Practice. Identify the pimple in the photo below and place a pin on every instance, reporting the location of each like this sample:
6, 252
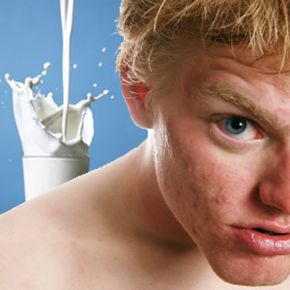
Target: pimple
221, 199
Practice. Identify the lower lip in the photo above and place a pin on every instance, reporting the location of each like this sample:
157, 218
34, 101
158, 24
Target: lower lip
264, 244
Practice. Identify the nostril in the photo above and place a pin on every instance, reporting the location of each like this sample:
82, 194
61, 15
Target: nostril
275, 195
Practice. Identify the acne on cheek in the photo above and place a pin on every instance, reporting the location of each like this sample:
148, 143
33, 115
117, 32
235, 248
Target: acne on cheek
220, 183
207, 168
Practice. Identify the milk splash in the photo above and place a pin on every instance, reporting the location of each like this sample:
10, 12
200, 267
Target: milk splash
39, 120
46, 129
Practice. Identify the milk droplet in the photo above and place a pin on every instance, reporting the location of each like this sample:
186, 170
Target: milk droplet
36, 81
8, 77
104, 49
100, 64
112, 97
46, 65
45, 68
75, 66
95, 85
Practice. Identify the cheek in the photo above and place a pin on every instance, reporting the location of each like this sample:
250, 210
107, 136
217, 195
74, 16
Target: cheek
198, 180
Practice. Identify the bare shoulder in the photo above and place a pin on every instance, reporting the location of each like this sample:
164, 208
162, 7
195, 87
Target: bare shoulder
57, 241
37, 247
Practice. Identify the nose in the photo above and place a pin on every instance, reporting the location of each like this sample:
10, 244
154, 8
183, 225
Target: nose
274, 189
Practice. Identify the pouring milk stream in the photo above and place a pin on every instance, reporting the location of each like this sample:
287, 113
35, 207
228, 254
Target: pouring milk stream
66, 11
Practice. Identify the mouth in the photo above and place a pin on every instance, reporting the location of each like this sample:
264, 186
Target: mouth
264, 241
266, 232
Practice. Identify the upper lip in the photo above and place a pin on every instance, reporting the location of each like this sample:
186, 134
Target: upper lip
267, 226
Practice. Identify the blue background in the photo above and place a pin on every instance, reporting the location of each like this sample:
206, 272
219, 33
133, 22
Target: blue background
30, 32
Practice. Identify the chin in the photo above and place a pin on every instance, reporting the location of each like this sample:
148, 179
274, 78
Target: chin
261, 271
242, 280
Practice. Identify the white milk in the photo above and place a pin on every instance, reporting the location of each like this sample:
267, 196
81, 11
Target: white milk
39, 121
46, 129
66, 12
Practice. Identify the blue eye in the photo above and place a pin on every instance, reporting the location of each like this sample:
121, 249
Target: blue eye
236, 125
239, 128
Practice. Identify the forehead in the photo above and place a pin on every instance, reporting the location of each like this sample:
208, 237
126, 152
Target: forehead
267, 63
226, 64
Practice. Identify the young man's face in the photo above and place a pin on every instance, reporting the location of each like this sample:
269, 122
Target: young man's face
222, 155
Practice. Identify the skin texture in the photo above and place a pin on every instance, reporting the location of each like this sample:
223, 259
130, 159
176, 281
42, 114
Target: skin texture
162, 216
212, 180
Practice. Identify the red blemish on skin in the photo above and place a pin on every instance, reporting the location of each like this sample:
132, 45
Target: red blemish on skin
221, 199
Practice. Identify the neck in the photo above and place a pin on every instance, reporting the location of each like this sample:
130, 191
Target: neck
147, 205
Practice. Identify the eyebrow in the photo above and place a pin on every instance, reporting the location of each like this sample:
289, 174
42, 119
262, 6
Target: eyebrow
241, 101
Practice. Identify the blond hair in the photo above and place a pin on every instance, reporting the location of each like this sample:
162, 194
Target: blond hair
152, 29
